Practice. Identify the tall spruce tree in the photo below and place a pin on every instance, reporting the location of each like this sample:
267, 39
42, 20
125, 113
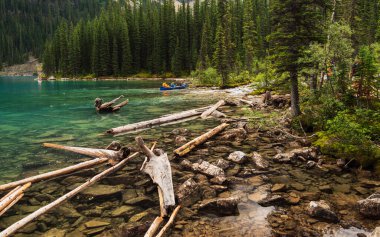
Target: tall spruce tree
296, 23
222, 54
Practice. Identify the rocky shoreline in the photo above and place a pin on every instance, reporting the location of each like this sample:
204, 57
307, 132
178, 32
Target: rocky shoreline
249, 180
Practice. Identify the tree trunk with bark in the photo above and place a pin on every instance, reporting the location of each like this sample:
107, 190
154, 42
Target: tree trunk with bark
295, 104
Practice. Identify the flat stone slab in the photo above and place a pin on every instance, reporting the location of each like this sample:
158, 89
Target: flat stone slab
100, 190
95, 224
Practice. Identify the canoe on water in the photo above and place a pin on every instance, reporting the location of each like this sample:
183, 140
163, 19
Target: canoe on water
173, 88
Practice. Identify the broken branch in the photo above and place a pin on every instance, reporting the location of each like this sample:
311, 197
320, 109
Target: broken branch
183, 150
212, 109
170, 222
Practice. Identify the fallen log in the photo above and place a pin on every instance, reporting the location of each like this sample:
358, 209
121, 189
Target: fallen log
154, 227
159, 169
21, 223
183, 150
9, 199
212, 109
110, 154
11, 204
8, 194
156, 122
56, 173
170, 222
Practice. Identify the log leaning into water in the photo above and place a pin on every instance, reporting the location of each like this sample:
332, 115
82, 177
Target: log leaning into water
156, 122
11, 198
183, 150
212, 109
110, 154
56, 173
21, 223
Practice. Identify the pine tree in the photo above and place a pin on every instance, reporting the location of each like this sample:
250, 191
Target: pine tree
249, 35
126, 59
296, 23
223, 52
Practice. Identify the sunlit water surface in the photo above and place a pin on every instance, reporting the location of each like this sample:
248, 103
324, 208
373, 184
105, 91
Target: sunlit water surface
63, 112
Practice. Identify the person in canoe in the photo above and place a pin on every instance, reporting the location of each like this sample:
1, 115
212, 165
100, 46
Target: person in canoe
165, 85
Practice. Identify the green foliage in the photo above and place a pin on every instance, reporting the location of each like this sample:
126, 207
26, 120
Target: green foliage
347, 138
317, 111
25, 25
208, 77
238, 79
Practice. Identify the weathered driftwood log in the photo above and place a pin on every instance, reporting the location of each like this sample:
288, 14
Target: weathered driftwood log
21, 223
110, 154
183, 150
11, 204
156, 122
159, 169
212, 109
154, 227
170, 222
14, 194
8, 194
100, 106
56, 173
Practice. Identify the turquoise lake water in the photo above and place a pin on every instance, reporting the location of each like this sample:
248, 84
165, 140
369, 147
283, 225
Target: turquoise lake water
63, 112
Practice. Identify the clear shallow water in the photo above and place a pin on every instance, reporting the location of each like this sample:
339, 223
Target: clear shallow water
62, 112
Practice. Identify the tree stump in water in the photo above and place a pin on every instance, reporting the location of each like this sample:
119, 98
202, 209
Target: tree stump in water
109, 106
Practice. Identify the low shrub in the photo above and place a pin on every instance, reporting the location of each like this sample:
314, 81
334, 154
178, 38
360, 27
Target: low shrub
208, 77
346, 138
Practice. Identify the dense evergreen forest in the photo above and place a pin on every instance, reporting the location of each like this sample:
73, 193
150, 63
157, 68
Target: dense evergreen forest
326, 53
26, 24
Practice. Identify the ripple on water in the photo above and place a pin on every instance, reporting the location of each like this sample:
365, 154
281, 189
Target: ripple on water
252, 218
341, 232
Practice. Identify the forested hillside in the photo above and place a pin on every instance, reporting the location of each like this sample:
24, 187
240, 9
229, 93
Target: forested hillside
25, 24
325, 53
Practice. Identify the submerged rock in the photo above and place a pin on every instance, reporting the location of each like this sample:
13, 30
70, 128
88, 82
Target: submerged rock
100, 191
322, 210
370, 207
221, 206
278, 188
259, 161
180, 140
234, 134
305, 153
259, 194
123, 211
95, 224
188, 192
221, 163
206, 168
237, 157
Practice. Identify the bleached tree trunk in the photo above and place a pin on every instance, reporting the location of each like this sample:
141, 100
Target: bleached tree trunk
156, 122
183, 150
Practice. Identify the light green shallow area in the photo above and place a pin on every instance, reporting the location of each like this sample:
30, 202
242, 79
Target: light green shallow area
62, 112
